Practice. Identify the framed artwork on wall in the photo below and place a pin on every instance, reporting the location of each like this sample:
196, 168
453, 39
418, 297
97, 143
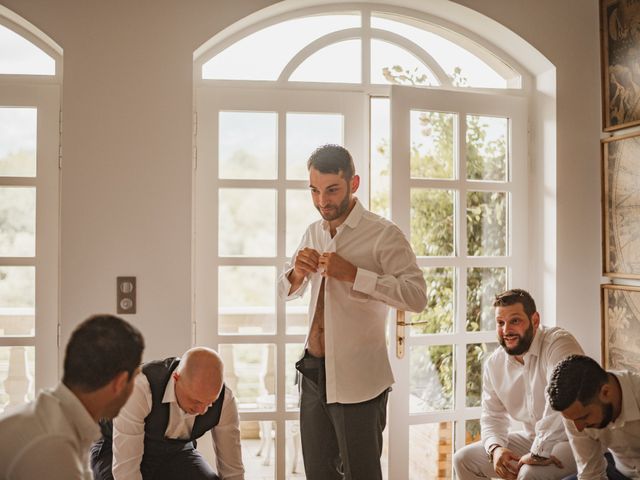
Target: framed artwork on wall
621, 206
620, 57
620, 327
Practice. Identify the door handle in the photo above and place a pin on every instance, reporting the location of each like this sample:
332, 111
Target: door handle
401, 337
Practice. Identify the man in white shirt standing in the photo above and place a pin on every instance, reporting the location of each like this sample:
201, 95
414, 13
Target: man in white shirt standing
358, 264
602, 413
50, 437
175, 401
514, 382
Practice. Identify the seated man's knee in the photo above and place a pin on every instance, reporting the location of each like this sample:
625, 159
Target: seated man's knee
532, 472
465, 455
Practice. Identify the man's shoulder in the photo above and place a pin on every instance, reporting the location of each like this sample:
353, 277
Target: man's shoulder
379, 223
36, 423
551, 335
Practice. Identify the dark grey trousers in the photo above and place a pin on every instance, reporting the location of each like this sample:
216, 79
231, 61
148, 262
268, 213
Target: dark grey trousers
186, 464
339, 441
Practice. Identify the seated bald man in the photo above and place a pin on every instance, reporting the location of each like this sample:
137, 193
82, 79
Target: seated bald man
175, 401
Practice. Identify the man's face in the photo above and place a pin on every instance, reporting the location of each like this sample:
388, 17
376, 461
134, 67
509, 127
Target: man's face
331, 194
597, 414
515, 330
195, 398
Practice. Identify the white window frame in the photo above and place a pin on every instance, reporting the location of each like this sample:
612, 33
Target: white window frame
43, 93
517, 269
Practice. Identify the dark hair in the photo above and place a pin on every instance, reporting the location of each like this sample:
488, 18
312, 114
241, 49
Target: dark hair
577, 377
516, 295
332, 159
99, 349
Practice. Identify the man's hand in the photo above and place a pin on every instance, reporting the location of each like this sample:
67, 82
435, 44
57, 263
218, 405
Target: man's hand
505, 463
306, 262
333, 265
530, 459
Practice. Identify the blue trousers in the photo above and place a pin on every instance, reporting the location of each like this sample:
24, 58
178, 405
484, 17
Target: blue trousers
612, 471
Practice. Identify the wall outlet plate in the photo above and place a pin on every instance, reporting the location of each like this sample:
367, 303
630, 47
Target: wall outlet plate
126, 295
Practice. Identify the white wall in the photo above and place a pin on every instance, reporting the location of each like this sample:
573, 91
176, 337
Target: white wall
127, 139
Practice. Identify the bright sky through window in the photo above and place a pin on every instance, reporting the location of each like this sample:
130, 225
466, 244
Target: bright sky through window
21, 57
263, 55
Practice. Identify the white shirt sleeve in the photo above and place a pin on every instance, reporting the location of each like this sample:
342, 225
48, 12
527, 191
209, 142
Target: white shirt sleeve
226, 440
128, 432
402, 284
588, 453
550, 428
284, 285
494, 419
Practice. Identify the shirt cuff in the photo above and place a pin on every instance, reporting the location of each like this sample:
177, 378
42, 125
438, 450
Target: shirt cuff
492, 441
540, 449
286, 284
365, 281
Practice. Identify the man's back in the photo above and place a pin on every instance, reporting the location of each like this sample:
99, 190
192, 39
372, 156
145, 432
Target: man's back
47, 438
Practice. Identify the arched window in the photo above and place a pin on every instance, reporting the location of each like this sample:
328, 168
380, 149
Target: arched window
436, 121
30, 78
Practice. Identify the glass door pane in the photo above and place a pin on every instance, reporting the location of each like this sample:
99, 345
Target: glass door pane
453, 191
252, 208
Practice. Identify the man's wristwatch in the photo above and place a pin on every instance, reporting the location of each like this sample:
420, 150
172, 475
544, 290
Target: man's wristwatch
538, 458
491, 451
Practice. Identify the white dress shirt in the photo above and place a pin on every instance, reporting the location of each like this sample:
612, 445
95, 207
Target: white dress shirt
48, 439
128, 432
356, 358
621, 437
512, 389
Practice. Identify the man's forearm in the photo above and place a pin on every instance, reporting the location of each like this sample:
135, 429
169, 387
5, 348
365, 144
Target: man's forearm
295, 280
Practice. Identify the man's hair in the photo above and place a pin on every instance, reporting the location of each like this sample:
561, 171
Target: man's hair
332, 159
516, 295
577, 377
99, 349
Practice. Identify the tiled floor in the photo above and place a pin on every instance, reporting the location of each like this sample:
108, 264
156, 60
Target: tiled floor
254, 465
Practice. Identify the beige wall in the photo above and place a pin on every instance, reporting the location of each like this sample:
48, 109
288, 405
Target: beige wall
127, 139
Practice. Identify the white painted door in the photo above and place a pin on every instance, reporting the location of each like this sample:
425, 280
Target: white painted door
29, 146
252, 206
459, 192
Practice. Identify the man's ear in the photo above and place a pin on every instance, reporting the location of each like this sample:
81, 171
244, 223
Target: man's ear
355, 183
535, 319
120, 381
605, 393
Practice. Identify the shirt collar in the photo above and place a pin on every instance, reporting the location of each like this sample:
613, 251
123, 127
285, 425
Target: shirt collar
170, 391
630, 411
352, 220
536, 344
81, 421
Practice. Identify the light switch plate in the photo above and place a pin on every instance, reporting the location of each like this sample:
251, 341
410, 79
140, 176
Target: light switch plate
126, 295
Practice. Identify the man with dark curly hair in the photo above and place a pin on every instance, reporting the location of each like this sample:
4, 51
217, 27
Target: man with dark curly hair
602, 412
